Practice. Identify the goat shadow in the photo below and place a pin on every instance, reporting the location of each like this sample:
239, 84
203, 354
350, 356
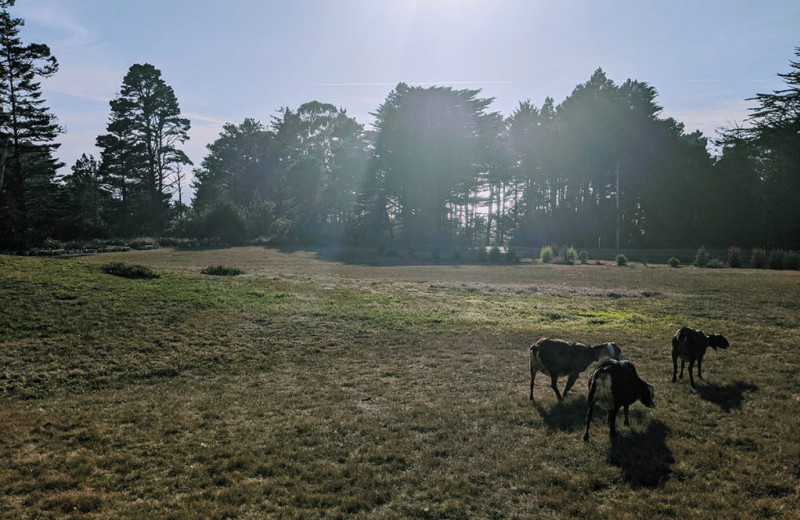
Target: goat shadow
643, 457
727, 397
567, 416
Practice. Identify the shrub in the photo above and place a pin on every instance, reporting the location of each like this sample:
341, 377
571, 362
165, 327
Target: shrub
222, 270
512, 257
546, 254
775, 259
584, 257
734, 257
482, 256
702, 257
494, 255
129, 270
143, 243
791, 261
715, 263
570, 256
621, 260
673, 262
456, 255
758, 258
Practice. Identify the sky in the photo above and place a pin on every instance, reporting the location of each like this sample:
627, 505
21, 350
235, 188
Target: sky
233, 59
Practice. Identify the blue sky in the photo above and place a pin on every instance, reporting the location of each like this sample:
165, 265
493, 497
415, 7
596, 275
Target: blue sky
227, 60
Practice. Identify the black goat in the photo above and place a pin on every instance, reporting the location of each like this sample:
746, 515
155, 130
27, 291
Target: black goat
690, 345
558, 357
616, 384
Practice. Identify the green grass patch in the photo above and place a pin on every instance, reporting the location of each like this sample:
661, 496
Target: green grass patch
314, 389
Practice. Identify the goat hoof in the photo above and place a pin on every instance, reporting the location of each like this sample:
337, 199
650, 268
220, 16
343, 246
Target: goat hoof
586, 438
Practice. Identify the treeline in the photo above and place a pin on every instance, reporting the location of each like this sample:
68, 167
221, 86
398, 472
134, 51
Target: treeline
437, 168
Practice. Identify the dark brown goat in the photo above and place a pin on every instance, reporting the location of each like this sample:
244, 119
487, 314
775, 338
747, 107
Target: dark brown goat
690, 345
614, 385
558, 357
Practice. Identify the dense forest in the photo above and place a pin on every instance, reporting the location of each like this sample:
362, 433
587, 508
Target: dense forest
437, 167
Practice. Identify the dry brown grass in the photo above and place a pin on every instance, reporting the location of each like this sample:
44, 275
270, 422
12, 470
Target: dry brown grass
311, 389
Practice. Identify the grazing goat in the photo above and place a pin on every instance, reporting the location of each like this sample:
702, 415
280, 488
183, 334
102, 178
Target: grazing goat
616, 384
558, 357
690, 345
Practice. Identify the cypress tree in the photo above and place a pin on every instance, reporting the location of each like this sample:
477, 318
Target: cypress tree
27, 134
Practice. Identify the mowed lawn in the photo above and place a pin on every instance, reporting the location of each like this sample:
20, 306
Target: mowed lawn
307, 388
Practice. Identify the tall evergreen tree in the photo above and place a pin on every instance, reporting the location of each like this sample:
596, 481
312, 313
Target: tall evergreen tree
428, 145
140, 151
27, 136
87, 198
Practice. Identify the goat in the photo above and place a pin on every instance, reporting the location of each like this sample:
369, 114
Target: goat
690, 345
558, 357
616, 384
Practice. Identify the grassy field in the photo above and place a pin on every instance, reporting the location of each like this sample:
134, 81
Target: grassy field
307, 388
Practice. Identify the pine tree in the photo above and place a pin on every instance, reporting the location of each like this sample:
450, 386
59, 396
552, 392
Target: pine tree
140, 153
27, 134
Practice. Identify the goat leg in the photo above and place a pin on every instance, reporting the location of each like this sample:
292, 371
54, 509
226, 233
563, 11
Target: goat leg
554, 385
700, 368
626, 415
674, 366
570, 381
533, 374
589, 414
682, 364
691, 379
612, 422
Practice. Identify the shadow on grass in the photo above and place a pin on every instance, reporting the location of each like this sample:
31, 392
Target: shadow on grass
643, 457
727, 397
567, 416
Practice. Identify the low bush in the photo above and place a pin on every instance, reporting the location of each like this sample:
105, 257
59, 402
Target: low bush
583, 256
673, 262
222, 270
775, 259
758, 258
512, 257
129, 270
715, 263
621, 260
702, 257
791, 261
546, 254
734, 257
482, 257
494, 255
570, 256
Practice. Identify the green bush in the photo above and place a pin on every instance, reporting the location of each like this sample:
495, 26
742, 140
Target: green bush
584, 257
734, 257
494, 255
775, 259
758, 258
129, 270
546, 254
456, 255
702, 257
715, 263
482, 256
791, 261
512, 257
673, 262
570, 256
621, 260
222, 270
